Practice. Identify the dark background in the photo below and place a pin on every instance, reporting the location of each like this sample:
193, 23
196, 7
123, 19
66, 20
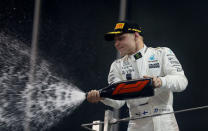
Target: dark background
71, 38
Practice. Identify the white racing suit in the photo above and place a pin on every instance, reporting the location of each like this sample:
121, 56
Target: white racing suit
159, 62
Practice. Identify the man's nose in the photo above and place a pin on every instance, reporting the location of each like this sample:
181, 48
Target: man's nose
116, 43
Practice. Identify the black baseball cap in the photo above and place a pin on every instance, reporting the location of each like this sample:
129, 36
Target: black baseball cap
123, 27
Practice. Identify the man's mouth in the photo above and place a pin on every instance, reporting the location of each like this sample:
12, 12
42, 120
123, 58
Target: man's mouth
120, 48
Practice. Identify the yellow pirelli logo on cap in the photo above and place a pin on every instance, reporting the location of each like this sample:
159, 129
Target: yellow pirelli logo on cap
119, 26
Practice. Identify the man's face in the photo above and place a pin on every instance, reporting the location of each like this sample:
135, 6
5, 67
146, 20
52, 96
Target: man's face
125, 43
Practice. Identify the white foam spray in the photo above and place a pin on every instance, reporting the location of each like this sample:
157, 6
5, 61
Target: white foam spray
52, 98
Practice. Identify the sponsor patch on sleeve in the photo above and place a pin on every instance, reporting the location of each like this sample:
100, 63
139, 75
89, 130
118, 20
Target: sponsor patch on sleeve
173, 60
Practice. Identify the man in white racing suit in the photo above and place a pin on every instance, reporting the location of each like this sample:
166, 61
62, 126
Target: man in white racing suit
140, 61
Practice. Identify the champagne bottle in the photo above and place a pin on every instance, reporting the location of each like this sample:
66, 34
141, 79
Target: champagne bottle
128, 89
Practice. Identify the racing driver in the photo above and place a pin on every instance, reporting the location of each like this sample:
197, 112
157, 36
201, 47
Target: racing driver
140, 61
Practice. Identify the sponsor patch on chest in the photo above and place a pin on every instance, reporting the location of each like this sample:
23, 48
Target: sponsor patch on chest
127, 67
154, 65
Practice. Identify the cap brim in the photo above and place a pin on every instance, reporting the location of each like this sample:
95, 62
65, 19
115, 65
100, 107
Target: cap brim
110, 35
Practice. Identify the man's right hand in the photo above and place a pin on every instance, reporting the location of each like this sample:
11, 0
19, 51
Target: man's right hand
93, 96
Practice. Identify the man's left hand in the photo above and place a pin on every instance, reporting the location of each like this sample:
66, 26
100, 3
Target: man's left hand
156, 81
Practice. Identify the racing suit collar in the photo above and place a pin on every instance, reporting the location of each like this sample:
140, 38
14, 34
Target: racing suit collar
139, 54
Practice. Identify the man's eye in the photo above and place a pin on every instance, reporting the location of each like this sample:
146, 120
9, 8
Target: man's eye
121, 38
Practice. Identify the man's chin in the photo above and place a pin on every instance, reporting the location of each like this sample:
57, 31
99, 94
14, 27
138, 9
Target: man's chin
122, 54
